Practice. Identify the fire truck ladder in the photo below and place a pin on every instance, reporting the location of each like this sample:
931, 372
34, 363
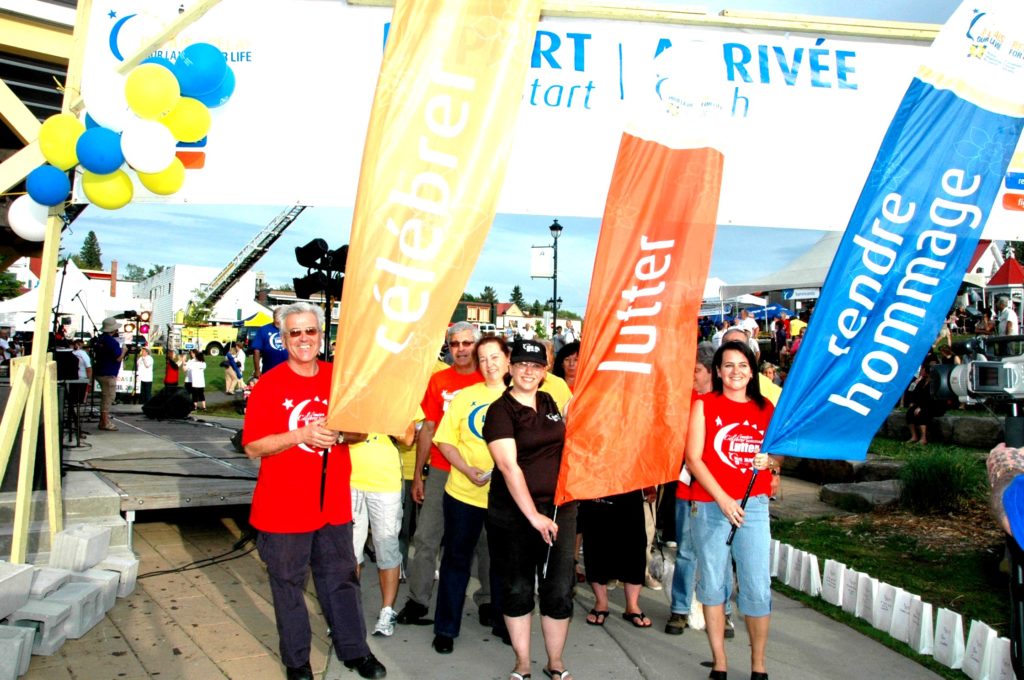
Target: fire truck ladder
250, 254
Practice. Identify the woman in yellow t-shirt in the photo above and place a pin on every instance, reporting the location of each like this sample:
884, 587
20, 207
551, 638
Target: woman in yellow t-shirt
459, 436
377, 506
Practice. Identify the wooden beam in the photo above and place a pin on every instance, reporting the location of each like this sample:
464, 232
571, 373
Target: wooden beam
51, 438
18, 116
21, 380
26, 37
16, 168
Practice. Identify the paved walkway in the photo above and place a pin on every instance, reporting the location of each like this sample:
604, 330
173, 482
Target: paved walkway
217, 622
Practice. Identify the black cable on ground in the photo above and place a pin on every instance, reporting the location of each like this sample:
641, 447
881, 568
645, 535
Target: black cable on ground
153, 473
247, 537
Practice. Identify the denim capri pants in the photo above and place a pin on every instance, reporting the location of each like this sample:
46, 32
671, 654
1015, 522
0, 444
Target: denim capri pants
750, 549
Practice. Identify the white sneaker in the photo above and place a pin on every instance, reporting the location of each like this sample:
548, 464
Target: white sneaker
385, 622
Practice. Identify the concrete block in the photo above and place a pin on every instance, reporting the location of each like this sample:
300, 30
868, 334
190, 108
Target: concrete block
85, 601
80, 547
48, 579
127, 566
106, 580
11, 637
47, 620
15, 584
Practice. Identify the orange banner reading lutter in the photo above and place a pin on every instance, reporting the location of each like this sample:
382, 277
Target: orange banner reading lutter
439, 138
628, 418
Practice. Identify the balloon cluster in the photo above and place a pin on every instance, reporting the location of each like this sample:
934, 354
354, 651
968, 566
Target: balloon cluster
137, 119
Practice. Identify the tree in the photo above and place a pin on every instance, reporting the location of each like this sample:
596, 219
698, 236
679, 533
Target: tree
133, 272
10, 286
198, 311
89, 257
517, 298
155, 269
468, 297
536, 309
489, 295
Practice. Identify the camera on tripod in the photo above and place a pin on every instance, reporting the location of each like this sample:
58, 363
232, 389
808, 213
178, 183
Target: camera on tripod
993, 371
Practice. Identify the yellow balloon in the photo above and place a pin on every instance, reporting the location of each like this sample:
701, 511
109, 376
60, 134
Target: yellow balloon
165, 182
151, 91
57, 139
111, 191
189, 121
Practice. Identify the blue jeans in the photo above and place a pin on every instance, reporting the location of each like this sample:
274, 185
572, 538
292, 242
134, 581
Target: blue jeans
684, 578
686, 561
750, 550
462, 526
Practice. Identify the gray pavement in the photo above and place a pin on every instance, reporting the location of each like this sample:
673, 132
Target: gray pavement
217, 622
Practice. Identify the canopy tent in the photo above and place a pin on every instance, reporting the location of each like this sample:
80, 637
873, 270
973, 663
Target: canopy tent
72, 287
770, 312
807, 271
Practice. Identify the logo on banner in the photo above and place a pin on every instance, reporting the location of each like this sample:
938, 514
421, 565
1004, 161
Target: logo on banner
737, 443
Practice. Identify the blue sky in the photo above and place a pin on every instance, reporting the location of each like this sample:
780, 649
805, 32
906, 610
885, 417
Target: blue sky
212, 235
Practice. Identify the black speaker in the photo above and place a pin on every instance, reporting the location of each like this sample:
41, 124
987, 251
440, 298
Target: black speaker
170, 403
67, 364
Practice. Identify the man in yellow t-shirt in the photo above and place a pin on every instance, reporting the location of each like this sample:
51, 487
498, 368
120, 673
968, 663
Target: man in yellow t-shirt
377, 505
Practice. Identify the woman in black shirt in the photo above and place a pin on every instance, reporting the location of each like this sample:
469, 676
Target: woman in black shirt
525, 434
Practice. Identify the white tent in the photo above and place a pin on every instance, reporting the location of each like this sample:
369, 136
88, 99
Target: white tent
72, 287
807, 271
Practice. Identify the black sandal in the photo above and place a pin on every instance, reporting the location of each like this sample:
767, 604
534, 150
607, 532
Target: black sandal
637, 619
599, 615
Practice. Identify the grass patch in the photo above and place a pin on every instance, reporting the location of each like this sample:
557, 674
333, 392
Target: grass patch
901, 450
967, 581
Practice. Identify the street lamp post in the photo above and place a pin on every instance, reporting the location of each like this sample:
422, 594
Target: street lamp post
556, 231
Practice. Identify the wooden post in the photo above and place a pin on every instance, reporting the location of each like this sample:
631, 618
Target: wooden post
34, 378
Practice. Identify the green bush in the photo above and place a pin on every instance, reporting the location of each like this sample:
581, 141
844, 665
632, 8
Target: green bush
935, 482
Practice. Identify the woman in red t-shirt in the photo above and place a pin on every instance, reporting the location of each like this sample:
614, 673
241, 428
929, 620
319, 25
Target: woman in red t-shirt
722, 451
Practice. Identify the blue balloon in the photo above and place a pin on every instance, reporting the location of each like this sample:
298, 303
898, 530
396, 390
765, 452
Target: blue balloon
99, 150
47, 185
221, 94
90, 122
200, 68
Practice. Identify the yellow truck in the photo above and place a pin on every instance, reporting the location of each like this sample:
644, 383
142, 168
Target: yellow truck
213, 340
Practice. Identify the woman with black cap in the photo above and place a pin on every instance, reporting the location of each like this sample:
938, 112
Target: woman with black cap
525, 434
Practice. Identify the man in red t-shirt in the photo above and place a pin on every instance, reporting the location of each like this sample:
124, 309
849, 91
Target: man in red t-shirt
304, 517
429, 492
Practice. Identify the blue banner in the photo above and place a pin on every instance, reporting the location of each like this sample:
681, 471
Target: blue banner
904, 254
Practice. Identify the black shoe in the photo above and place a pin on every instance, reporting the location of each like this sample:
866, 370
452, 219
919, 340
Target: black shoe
367, 667
757, 675
412, 612
487, 615
301, 673
443, 644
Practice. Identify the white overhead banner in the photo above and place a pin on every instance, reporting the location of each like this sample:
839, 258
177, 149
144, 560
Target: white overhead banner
809, 112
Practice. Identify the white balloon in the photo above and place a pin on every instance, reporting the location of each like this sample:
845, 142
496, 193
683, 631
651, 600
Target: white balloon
147, 145
105, 102
28, 218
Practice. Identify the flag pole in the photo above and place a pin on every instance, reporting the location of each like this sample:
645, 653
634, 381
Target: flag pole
544, 571
743, 505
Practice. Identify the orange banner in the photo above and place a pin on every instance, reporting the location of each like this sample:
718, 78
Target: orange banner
631, 404
440, 134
